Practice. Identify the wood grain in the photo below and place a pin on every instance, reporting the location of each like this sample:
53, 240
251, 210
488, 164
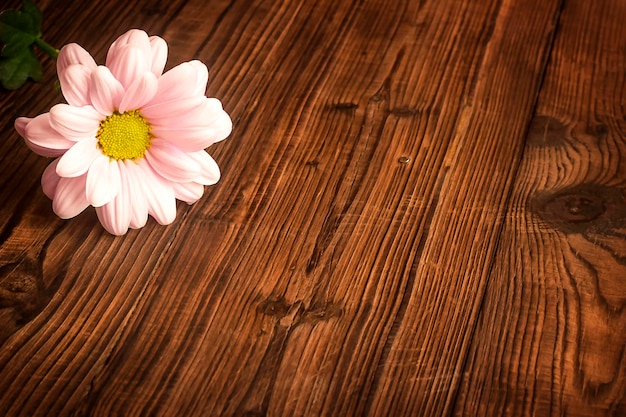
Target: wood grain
551, 339
425, 362
404, 181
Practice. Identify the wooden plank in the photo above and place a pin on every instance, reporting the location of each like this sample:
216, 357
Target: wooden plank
552, 337
362, 191
66, 288
306, 302
421, 373
293, 284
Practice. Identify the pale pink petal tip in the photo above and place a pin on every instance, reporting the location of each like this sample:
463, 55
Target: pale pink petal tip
41, 137
189, 192
20, 125
115, 215
50, 180
69, 197
75, 80
159, 55
74, 54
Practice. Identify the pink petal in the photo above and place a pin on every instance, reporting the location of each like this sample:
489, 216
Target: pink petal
103, 181
189, 192
190, 139
168, 113
69, 197
202, 77
127, 63
171, 163
217, 126
183, 81
193, 112
217, 119
106, 92
139, 92
159, 55
72, 54
138, 204
208, 113
77, 160
209, 170
75, 122
42, 138
159, 195
134, 37
39, 150
115, 216
112, 222
50, 179
20, 125
74, 81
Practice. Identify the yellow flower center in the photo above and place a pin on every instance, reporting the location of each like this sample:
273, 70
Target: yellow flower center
124, 135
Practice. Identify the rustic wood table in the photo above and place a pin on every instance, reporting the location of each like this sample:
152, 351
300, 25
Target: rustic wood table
422, 212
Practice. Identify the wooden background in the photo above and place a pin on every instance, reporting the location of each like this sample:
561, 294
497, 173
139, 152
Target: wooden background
422, 212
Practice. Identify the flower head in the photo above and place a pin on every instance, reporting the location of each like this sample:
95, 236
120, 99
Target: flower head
131, 139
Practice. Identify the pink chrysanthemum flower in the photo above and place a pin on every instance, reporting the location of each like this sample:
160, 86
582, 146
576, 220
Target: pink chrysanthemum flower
131, 139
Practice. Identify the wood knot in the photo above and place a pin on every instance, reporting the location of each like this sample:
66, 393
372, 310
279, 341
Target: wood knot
405, 111
546, 131
321, 312
599, 130
22, 295
313, 163
275, 307
294, 314
345, 106
581, 208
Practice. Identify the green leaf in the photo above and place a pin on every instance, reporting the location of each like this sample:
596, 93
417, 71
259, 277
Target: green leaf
33, 11
19, 28
15, 30
15, 70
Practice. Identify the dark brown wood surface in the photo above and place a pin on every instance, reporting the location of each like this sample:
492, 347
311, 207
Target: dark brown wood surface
422, 212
